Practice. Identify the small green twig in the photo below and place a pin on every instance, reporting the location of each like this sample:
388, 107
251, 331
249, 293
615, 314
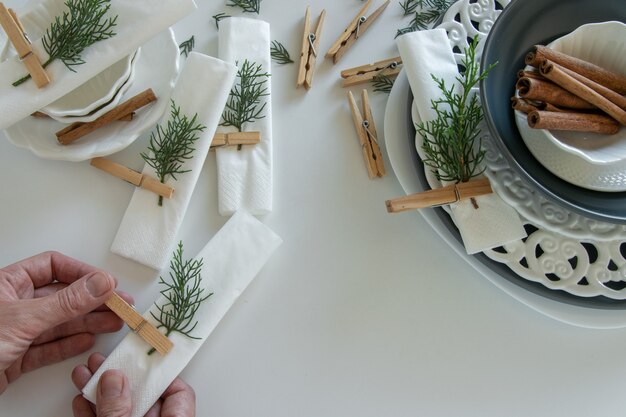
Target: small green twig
219, 17
247, 6
279, 53
452, 141
183, 295
170, 146
187, 46
383, 83
430, 11
82, 25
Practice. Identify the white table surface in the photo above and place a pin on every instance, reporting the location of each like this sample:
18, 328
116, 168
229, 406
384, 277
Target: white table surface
359, 313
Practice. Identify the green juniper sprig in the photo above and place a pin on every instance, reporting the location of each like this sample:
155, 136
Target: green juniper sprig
82, 25
279, 53
452, 141
187, 46
183, 294
247, 6
430, 11
244, 99
219, 17
171, 146
382, 83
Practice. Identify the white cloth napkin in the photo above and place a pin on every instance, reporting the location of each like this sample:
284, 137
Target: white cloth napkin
429, 52
147, 232
245, 176
231, 260
137, 22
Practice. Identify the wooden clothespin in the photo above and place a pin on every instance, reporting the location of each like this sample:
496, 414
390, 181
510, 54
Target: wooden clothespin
136, 178
440, 196
15, 31
366, 73
366, 131
356, 28
310, 45
76, 131
235, 138
123, 118
139, 324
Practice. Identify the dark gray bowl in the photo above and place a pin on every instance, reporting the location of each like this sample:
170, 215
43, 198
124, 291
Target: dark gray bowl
522, 24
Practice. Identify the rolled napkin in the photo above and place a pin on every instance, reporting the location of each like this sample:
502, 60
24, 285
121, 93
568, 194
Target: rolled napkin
137, 22
245, 176
231, 260
148, 231
427, 52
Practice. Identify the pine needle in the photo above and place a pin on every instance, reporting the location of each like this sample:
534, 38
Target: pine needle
187, 46
409, 6
430, 12
452, 141
79, 27
244, 99
383, 83
247, 6
279, 53
171, 146
183, 294
219, 17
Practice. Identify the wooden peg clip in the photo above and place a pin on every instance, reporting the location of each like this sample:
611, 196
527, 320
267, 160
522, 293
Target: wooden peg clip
366, 131
310, 45
76, 131
136, 178
366, 73
235, 138
139, 324
355, 29
440, 196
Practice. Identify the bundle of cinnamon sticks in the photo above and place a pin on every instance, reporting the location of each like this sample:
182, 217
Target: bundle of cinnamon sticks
567, 93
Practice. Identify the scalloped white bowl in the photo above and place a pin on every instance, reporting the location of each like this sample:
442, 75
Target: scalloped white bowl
589, 160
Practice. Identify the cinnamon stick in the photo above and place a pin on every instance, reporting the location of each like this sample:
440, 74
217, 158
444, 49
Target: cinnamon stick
526, 106
557, 75
611, 95
76, 131
609, 79
548, 92
579, 122
530, 74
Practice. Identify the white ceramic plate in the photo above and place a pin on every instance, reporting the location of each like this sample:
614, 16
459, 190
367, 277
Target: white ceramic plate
157, 68
98, 95
592, 161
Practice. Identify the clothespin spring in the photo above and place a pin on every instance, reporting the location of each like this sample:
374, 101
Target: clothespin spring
362, 20
312, 39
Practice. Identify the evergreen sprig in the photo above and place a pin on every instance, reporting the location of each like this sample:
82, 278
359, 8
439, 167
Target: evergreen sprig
187, 46
219, 17
430, 11
279, 53
383, 83
247, 6
244, 99
183, 294
452, 141
82, 25
172, 145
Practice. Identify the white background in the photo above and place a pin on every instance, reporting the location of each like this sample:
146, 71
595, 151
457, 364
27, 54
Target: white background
359, 313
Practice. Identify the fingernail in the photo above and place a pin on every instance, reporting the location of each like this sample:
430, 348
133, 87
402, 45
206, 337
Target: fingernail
111, 384
98, 284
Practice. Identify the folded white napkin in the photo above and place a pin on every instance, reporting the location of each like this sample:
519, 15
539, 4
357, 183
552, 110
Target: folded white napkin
137, 22
245, 176
147, 232
429, 52
231, 260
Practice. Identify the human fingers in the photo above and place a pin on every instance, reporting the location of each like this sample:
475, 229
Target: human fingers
57, 351
113, 395
82, 408
179, 400
78, 298
95, 323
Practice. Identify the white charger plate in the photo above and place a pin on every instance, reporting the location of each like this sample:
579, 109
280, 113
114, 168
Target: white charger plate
157, 69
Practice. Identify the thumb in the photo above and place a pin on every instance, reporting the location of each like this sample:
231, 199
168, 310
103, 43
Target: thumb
81, 297
113, 395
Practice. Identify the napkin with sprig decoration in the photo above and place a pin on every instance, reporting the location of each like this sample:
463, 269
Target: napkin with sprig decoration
245, 175
490, 222
227, 265
176, 153
136, 22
